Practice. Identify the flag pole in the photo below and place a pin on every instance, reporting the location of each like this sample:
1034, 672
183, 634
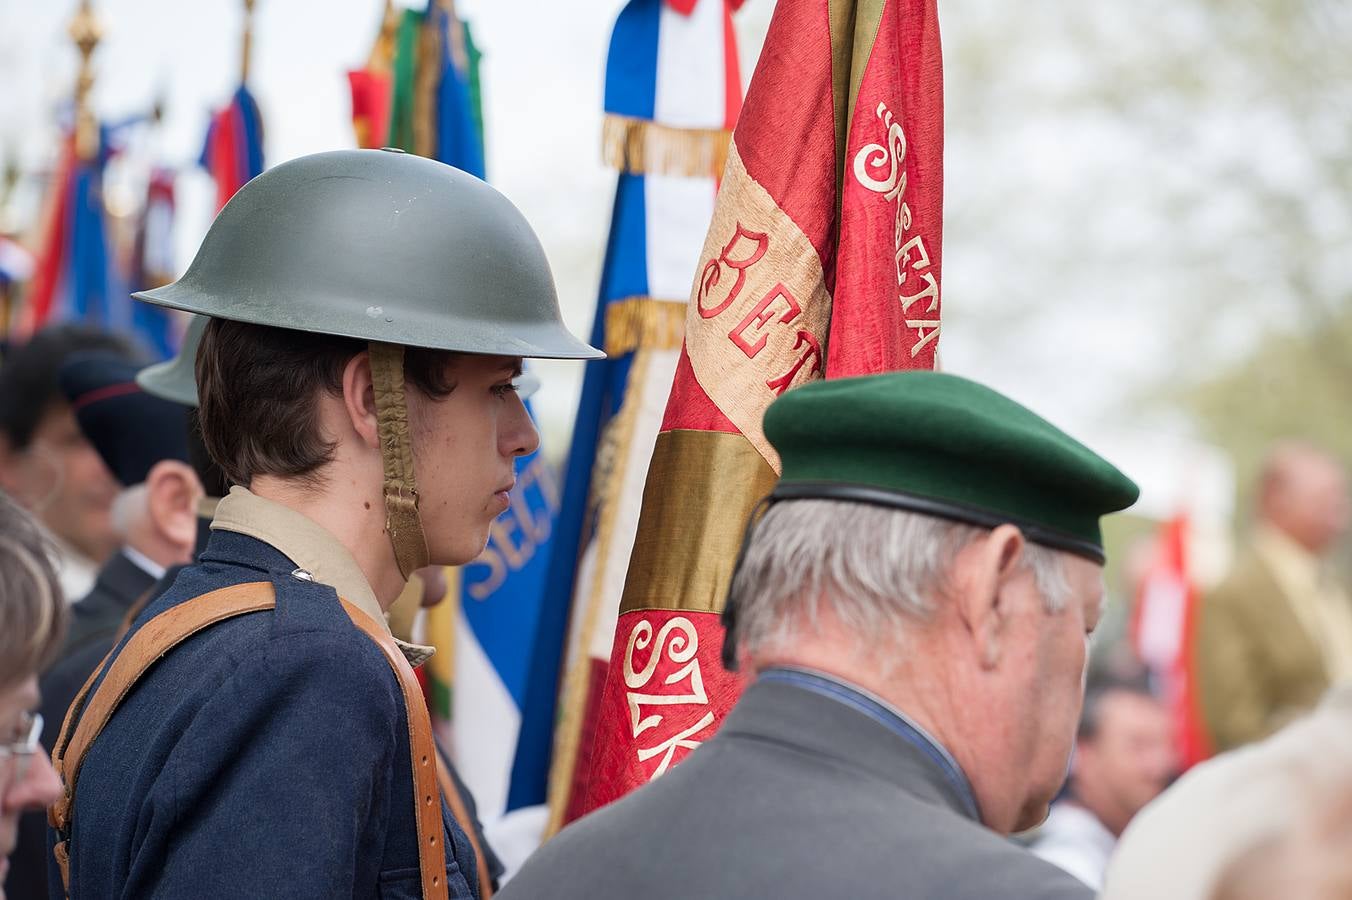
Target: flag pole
246, 46
85, 31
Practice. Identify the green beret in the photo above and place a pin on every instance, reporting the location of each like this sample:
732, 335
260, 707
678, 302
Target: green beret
944, 446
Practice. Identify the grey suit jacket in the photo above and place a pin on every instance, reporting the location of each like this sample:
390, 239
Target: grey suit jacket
797, 796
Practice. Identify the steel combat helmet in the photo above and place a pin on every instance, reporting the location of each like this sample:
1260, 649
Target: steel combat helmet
383, 246
174, 379
391, 248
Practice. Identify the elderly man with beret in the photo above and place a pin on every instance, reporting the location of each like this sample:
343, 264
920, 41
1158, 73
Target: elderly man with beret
913, 607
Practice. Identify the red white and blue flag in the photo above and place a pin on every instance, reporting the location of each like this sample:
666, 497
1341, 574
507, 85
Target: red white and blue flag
233, 149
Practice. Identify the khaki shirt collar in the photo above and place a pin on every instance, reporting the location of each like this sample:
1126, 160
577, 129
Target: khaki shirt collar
1296, 568
312, 548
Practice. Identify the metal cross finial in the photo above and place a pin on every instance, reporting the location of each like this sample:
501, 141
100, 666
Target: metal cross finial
86, 31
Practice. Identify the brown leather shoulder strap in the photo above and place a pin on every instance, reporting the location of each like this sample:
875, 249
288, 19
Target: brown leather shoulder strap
156, 638
170, 628
426, 808
461, 813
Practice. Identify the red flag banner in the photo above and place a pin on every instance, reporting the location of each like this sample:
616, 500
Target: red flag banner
1162, 631
822, 260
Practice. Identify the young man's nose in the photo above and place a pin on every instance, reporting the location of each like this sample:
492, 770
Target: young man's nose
520, 436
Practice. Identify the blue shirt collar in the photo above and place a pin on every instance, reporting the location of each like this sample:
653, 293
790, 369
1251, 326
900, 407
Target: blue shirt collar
884, 714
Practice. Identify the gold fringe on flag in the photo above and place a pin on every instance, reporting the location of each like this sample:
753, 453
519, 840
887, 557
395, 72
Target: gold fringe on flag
644, 147
644, 323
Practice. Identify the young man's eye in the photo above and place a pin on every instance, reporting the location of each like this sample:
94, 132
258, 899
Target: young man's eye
502, 390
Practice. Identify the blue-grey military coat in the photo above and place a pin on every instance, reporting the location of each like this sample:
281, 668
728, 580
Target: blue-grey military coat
265, 756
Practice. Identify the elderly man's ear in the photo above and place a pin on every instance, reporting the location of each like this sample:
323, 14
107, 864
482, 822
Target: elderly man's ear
981, 577
172, 492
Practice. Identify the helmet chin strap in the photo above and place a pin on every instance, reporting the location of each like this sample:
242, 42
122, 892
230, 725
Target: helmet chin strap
396, 453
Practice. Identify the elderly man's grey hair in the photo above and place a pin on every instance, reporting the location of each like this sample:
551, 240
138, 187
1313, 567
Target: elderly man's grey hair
877, 568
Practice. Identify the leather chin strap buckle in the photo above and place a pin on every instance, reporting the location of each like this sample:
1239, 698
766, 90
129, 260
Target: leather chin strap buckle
402, 522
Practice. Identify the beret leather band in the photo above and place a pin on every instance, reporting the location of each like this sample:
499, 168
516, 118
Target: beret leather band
943, 509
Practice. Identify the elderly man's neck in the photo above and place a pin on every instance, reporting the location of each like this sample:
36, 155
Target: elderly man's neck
914, 675
888, 670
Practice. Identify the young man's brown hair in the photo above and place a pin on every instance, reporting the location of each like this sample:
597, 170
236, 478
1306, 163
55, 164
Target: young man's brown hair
257, 387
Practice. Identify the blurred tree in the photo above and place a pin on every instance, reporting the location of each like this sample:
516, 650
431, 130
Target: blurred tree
1186, 165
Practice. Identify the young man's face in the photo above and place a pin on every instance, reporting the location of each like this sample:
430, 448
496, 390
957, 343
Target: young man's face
465, 448
63, 481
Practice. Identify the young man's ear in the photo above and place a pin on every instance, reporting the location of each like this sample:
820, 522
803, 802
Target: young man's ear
359, 399
981, 573
172, 492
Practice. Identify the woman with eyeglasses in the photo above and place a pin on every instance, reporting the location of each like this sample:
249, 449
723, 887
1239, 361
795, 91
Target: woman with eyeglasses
32, 622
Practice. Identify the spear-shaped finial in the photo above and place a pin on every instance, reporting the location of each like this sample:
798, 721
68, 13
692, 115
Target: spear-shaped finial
85, 30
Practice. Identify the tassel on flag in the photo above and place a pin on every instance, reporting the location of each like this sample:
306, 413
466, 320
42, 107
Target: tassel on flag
233, 149
673, 92
1164, 620
822, 260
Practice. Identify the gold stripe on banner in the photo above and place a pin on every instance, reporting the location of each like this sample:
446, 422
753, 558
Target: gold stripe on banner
701, 488
645, 147
613, 456
854, 29
644, 323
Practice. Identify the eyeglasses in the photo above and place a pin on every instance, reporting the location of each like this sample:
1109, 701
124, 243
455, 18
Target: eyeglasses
22, 751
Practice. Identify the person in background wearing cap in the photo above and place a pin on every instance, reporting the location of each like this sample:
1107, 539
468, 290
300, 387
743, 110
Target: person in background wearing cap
913, 608
143, 441
371, 310
45, 462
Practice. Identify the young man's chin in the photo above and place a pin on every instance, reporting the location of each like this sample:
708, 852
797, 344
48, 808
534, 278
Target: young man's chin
463, 552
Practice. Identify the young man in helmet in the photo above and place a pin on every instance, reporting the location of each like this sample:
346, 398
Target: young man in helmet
258, 733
